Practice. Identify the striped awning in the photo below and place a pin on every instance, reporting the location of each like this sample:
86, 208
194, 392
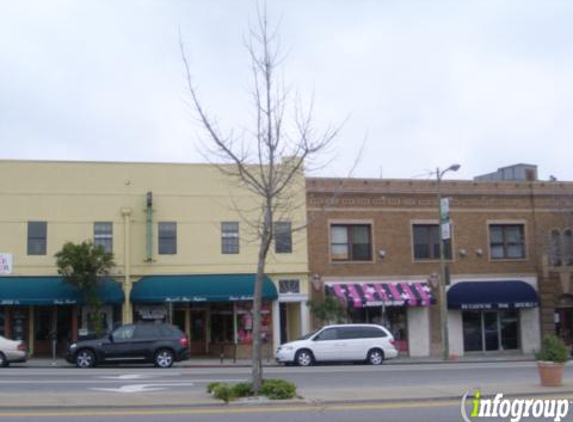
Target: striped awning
362, 295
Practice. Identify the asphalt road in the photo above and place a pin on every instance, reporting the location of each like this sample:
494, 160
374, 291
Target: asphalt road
70, 379
150, 394
412, 412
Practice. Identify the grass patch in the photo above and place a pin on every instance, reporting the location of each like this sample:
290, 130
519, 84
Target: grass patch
274, 389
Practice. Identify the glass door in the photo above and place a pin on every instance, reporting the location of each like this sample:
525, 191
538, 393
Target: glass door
491, 330
198, 332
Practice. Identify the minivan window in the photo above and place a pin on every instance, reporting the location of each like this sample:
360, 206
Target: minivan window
309, 335
372, 332
348, 333
328, 334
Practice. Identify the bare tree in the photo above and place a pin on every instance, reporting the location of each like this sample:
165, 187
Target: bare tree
269, 159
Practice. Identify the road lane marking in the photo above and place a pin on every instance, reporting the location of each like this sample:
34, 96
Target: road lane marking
140, 388
234, 410
10, 382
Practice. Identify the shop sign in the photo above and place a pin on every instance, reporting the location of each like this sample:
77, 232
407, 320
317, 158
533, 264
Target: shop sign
240, 298
5, 263
515, 305
152, 312
186, 299
9, 302
65, 302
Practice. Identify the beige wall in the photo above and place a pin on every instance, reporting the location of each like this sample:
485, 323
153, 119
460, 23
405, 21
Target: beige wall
71, 196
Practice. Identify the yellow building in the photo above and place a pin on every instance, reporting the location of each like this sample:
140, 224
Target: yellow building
183, 246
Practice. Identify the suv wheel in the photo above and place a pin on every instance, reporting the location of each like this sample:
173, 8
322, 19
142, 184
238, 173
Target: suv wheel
3, 361
85, 358
163, 358
304, 358
375, 357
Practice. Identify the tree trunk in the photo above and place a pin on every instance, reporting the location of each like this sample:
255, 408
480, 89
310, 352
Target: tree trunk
257, 364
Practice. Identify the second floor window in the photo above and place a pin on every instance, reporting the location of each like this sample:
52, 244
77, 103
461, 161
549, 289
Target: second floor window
561, 247
167, 238
103, 236
283, 237
427, 244
568, 247
230, 237
37, 237
506, 241
289, 286
351, 242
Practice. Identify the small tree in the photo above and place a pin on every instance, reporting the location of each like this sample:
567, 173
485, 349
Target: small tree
82, 265
328, 311
270, 159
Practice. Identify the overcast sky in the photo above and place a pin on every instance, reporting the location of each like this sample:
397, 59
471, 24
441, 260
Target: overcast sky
485, 83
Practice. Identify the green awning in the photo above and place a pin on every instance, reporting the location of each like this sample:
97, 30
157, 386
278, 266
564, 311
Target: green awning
200, 288
52, 291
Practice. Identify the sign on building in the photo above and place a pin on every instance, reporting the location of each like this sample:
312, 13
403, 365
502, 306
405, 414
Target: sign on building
5, 263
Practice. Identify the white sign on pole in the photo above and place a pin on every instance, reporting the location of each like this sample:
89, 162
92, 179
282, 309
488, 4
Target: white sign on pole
445, 218
5, 263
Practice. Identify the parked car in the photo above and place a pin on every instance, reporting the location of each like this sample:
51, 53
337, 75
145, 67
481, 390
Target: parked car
348, 342
12, 351
161, 344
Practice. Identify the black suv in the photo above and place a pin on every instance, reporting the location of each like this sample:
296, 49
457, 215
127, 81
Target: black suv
161, 344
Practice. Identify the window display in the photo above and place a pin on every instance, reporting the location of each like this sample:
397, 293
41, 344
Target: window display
245, 322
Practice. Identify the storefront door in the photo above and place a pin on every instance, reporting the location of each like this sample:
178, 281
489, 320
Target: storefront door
198, 332
43, 330
491, 330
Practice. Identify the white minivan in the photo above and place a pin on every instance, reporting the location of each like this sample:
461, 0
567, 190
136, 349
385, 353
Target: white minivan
345, 342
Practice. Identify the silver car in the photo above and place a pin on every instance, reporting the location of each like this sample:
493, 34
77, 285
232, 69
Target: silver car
12, 351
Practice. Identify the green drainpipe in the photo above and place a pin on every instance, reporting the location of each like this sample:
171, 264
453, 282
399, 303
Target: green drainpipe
149, 224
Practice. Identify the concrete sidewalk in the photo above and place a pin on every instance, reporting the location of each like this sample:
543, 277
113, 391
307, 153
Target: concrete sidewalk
207, 362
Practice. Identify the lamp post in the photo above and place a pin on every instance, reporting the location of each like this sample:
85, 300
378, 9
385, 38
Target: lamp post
443, 219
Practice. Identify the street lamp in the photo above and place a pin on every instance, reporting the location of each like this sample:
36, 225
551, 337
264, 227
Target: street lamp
443, 213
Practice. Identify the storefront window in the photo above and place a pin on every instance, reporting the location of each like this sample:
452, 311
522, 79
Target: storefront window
509, 325
392, 317
19, 324
151, 313
2, 321
486, 331
471, 321
245, 322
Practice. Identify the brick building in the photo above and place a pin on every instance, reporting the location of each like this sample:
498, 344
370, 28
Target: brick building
374, 245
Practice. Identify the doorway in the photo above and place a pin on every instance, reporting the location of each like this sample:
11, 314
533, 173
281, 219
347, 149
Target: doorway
198, 332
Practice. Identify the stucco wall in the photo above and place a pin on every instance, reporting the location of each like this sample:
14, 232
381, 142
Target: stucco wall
418, 331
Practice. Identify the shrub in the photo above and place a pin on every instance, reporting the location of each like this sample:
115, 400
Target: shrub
243, 389
223, 392
211, 386
553, 349
277, 389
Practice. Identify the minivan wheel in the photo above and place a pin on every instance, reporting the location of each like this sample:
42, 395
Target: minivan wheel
163, 358
3, 361
304, 358
375, 357
85, 358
